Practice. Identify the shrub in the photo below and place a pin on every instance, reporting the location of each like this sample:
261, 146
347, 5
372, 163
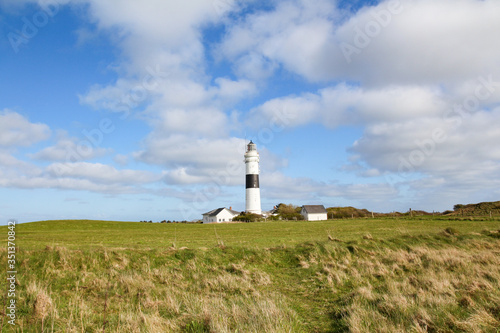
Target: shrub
247, 217
289, 212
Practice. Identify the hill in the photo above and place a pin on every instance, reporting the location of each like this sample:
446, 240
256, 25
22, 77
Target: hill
89, 234
482, 209
479, 209
347, 212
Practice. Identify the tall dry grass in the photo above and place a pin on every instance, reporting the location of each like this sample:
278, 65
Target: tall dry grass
419, 288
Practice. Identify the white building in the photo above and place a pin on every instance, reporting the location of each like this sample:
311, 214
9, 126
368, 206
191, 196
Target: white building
314, 213
220, 215
252, 192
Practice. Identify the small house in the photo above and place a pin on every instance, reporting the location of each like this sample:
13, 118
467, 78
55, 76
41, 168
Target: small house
220, 215
314, 213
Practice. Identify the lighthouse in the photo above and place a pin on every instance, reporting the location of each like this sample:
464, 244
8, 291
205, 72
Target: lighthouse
252, 180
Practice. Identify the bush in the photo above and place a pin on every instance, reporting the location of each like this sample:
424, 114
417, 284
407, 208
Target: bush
247, 217
289, 212
347, 213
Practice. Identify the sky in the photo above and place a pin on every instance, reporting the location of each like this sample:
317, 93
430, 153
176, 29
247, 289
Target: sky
141, 110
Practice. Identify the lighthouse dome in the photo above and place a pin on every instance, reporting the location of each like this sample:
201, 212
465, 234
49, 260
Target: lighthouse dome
251, 146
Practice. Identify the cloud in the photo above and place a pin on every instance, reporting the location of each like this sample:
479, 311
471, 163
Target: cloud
278, 186
73, 184
351, 105
294, 34
69, 149
254, 66
198, 122
79, 176
121, 159
100, 173
451, 42
431, 145
168, 39
11, 167
173, 21
111, 97
453, 156
235, 91
393, 42
17, 131
186, 109
195, 161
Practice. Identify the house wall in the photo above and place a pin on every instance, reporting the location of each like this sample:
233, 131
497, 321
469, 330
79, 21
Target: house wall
316, 217
304, 213
208, 219
223, 216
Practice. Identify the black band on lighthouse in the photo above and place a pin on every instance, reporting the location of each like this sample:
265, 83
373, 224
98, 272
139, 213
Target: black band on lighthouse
252, 181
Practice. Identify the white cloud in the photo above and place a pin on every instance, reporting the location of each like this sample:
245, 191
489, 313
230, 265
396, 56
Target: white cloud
416, 42
41, 182
80, 176
111, 97
121, 159
289, 111
278, 186
195, 161
235, 90
11, 166
347, 105
207, 122
100, 173
254, 66
190, 134
69, 149
455, 156
432, 144
163, 56
172, 21
295, 34
451, 42
17, 131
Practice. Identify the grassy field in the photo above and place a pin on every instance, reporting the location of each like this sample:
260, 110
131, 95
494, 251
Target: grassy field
359, 275
83, 234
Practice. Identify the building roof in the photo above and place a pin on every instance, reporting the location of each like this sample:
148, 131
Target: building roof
215, 212
314, 209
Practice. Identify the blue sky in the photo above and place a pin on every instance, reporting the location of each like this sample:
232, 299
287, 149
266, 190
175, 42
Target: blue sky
128, 110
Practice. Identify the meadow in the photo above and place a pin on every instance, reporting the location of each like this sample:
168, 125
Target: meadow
419, 274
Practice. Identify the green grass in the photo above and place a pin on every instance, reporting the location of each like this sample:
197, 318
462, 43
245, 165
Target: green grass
361, 275
84, 234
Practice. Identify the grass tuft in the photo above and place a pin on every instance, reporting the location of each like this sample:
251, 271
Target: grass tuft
451, 231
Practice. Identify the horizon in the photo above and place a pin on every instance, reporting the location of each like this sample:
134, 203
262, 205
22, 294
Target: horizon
128, 111
385, 215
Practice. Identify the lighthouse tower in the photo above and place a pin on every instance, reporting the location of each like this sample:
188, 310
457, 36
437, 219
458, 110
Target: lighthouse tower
252, 180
